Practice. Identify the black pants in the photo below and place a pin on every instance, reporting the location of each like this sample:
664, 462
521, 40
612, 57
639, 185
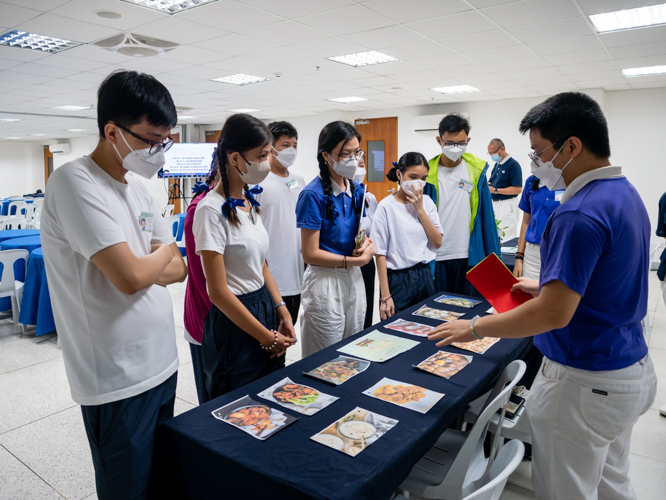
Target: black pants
368, 271
293, 305
199, 376
451, 277
121, 435
410, 286
231, 357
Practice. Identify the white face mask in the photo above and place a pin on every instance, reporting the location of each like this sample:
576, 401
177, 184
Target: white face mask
548, 174
256, 171
346, 168
286, 157
359, 175
454, 152
412, 186
140, 161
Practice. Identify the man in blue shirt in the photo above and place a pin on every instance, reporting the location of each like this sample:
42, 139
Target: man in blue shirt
506, 183
597, 377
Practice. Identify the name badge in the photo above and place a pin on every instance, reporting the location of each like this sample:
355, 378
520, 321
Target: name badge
465, 185
293, 185
558, 195
146, 222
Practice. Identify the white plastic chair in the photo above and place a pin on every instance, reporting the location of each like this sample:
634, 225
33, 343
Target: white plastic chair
456, 465
9, 287
174, 224
168, 211
38, 202
20, 205
36, 218
29, 211
15, 223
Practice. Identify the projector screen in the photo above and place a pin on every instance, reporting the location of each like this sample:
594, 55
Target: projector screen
188, 160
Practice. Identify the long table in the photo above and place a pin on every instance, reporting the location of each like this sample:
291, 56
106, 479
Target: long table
199, 457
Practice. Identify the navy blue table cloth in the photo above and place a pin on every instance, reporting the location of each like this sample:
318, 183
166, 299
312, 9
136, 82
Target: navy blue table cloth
199, 457
36, 303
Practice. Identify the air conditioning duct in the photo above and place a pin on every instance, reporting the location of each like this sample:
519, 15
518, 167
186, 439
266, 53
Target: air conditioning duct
429, 124
60, 148
131, 44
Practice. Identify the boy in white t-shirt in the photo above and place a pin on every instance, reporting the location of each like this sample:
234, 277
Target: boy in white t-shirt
109, 256
278, 212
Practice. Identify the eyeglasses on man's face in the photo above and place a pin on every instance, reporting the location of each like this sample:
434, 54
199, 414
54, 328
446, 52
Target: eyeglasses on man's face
155, 147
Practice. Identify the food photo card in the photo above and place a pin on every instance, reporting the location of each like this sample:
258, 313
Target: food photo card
403, 394
258, 420
297, 397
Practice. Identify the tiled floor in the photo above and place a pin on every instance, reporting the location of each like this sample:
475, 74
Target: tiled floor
44, 452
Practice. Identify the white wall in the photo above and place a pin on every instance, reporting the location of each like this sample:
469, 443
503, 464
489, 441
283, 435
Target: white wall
16, 168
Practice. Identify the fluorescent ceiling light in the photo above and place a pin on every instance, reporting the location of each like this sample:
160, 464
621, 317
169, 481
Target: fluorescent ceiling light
25, 40
36, 135
456, 89
10, 119
240, 79
647, 71
348, 99
630, 18
244, 110
364, 59
73, 108
169, 6
76, 130
12, 137
186, 117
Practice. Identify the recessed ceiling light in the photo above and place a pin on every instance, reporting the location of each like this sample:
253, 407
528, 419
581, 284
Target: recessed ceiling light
170, 6
186, 117
10, 119
364, 59
76, 130
69, 107
244, 110
36, 135
11, 137
630, 18
108, 14
647, 71
240, 79
456, 89
25, 40
348, 99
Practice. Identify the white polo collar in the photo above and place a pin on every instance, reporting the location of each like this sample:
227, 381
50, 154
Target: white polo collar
593, 175
504, 160
337, 190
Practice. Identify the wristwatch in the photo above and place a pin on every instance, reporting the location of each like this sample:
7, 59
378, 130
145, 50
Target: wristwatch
496, 191
471, 328
283, 303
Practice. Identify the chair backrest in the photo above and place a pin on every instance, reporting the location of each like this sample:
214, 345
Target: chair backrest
16, 212
29, 211
462, 468
38, 202
173, 223
15, 223
508, 459
168, 211
7, 259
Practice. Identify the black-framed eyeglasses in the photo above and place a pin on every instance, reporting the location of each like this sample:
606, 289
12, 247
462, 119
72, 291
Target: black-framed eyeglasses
461, 144
345, 156
155, 147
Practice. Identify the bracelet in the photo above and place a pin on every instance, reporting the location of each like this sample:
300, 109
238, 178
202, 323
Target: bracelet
270, 348
519, 257
471, 328
344, 262
385, 301
522, 254
280, 304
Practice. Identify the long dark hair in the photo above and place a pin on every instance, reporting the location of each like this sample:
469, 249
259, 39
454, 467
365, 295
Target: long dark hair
406, 161
330, 136
240, 133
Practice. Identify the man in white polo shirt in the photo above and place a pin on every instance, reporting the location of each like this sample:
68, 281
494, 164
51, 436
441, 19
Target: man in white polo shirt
109, 256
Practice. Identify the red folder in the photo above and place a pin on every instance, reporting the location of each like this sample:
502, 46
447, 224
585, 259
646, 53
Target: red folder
493, 280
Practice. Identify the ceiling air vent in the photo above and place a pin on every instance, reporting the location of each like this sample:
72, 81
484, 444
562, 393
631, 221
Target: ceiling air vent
131, 44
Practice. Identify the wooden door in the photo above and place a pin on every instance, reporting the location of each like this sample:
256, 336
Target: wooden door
382, 134
212, 135
176, 201
48, 164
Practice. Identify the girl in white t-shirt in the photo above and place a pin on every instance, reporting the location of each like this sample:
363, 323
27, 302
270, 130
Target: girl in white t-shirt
407, 233
248, 328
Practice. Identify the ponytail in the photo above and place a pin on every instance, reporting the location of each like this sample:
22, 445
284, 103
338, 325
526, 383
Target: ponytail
405, 162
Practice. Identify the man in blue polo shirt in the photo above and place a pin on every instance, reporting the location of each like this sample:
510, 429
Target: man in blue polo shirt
597, 377
506, 183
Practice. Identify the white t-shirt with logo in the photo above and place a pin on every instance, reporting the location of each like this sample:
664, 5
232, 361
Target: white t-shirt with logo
114, 345
244, 247
455, 212
278, 213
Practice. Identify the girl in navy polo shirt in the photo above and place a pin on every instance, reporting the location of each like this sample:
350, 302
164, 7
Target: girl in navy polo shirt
328, 213
537, 202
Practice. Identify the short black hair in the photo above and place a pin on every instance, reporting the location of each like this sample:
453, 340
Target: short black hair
454, 122
406, 161
570, 114
127, 98
278, 129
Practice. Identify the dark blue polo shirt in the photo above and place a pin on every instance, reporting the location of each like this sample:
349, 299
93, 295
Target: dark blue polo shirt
509, 174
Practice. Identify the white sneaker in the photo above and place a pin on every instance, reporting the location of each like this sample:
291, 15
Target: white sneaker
662, 410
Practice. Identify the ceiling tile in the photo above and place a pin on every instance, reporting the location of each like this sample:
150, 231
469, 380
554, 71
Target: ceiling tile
330, 47
382, 38
529, 81
155, 64
93, 53
418, 50
487, 77
466, 23
230, 15
84, 10
578, 57
61, 61
14, 76
347, 20
554, 88
14, 15
286, 33
480, 41
7, 64
236, 45
68, 29
546, 71
634, 37
516, 64
531, 12
642, 62
480, 4
500, 54
440, 63
240, 65
282, 56
178, 30
556, 30
298, 8
601, 6
596, 75
46, 71
405, 12
193, 55
467, 70
588, 67
646, 49
40, 5
570, 45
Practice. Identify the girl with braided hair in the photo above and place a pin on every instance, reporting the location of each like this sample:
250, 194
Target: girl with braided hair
248, 328
328, 212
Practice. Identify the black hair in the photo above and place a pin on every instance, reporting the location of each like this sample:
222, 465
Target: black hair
535, 183
127, 98
570, 114
278, 129
214, 169
497, 141
240, 133
330, 136
454, 122
406, 161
